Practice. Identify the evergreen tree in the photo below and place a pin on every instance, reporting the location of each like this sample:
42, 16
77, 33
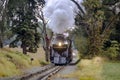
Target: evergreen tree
24, 24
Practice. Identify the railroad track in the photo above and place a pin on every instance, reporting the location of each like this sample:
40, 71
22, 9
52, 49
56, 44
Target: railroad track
47, 75
44, 74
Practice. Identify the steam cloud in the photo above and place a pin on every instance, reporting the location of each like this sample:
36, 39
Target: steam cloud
61, 14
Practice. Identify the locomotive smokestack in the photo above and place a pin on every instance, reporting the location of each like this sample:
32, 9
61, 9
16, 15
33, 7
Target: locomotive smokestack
60, 14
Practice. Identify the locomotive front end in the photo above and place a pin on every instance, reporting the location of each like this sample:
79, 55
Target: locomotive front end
60, 50
60, 47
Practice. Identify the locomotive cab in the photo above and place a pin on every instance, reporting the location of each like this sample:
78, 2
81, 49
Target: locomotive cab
60, 50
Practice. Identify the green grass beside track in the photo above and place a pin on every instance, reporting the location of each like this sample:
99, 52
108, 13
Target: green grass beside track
111, 71
99, 70
13, 62
96, 69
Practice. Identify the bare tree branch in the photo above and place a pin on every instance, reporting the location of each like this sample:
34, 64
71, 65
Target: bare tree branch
79, 7
40, 16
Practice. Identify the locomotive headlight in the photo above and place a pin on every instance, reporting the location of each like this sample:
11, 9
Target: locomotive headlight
59, 44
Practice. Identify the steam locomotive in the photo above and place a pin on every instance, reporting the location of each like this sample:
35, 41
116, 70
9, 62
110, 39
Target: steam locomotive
60, 50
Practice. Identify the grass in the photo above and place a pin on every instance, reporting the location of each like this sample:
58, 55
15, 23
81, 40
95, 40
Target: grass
111, 71
90, 69
13, 61
96, 69
7, 67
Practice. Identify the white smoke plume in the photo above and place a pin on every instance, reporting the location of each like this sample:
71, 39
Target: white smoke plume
61, 14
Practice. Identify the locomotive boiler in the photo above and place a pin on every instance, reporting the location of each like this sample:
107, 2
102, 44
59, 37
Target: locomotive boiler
60, 50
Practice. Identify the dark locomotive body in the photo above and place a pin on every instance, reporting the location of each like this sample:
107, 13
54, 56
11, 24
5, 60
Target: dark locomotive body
60, 50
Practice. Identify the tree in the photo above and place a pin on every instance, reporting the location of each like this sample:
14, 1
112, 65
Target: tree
98, 27
113, 51
24, 25
92, 22
3, 26
43, 27
115, 9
